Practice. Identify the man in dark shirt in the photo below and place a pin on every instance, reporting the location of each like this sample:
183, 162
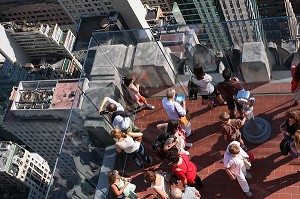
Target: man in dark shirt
228, 88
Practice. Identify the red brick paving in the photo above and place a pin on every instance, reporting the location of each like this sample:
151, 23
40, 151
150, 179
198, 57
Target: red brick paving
274, 176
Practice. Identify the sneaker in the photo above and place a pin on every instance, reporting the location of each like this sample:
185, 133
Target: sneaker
188, 144
140, 105
248, 175
244, 148
249, 194
151, 107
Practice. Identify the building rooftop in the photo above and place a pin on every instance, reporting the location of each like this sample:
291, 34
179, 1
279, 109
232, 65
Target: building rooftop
274, 175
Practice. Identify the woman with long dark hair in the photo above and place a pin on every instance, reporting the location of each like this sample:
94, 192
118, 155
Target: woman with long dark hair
205, 87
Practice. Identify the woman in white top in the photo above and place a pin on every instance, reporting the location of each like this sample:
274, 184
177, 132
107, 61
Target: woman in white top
133, 148
235, 166
205, 87
158, 184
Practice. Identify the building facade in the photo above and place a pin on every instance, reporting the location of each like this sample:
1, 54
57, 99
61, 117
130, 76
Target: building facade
86, 8
241, 20
206, 15
280, 23
19, 167
165, 5
34, 11
40, 41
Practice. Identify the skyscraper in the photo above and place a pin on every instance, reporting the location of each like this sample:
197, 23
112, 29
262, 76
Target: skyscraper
284, 24
86, 8
223, 23
241, 17
33, 11
208, 15
165, 5
40, 40
19, 167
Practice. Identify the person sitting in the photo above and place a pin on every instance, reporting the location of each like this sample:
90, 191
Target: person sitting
158, 183
291, 123
132, 148
174, 110
188, 193
235, 166
185, 170
231, 129
134, 92
295, 145
205, 87
121, 186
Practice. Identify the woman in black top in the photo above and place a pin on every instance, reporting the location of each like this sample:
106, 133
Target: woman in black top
292, 123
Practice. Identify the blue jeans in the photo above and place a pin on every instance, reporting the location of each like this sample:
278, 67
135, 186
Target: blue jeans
139, 154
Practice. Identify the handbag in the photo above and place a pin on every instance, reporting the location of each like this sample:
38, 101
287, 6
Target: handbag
182, 119
247, 163
297, 94
193, 89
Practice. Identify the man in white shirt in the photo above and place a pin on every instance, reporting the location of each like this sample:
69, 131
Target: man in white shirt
119, 118
174, 109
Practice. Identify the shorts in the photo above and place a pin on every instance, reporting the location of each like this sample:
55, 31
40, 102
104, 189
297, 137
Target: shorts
234, 137
231, 104
205, 97
138, 98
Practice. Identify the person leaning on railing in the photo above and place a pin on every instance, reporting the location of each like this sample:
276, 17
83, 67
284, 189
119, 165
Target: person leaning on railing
132, 148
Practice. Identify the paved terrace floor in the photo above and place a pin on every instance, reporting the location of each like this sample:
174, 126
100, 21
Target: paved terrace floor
274, 176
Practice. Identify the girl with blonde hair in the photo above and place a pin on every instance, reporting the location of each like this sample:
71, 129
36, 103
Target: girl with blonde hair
121, 186
132, 148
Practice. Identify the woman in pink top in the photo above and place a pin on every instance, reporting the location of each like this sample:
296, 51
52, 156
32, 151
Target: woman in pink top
185, 170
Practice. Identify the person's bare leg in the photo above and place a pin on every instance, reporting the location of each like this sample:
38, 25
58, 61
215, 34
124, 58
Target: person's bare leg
209, 103
220, 99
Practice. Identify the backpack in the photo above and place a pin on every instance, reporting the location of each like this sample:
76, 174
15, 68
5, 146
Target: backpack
158, 146
116, 113
285, 146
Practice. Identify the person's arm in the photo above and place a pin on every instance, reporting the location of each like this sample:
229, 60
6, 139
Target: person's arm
135, 88
180, 109
293, 147
115, 189
162, 127
184, 182
243, 121
119, 150
103, 103
283, 129
168, 145
135, 134
232, 177
161, 193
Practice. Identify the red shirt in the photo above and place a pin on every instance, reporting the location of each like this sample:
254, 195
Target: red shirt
294, 85
188, 170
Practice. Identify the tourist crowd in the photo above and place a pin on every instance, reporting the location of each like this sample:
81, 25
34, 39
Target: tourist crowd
171, 143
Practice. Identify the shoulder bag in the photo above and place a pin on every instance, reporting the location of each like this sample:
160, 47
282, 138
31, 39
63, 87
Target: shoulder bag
182, 119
